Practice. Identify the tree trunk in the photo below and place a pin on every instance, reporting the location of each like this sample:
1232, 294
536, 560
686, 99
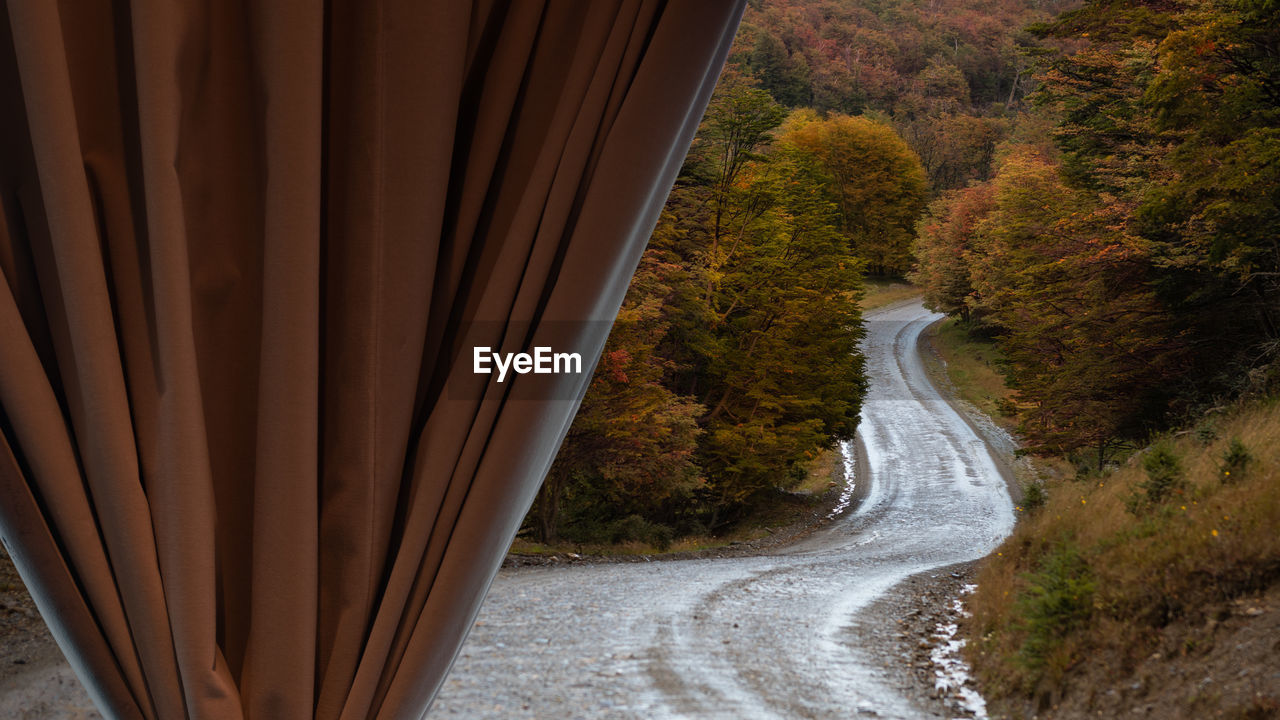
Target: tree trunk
548, 504
1264, 317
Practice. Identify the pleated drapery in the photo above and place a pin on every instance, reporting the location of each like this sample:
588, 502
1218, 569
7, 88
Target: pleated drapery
246, 250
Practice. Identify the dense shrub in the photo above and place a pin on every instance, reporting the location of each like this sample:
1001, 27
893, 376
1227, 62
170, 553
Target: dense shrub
1235, 460
1165, 478
1057, 599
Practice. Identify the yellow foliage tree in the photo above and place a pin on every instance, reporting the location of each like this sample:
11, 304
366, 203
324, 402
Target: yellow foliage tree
876, 180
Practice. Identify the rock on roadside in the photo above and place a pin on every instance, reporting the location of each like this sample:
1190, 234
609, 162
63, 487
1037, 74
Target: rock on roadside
905, 638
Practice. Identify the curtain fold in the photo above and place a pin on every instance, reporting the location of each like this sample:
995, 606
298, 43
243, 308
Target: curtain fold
246, 250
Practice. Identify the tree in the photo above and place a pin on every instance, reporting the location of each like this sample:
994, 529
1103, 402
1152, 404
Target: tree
739, 338
738, 123
1217, 91
631, 447
782, 74
876, 181
942, 249
779, 367
954, 148
1174, 109
1089, 350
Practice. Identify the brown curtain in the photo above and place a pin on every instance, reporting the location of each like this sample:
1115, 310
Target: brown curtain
245, 251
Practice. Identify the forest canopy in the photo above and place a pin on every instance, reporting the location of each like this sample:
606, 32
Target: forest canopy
1126, 253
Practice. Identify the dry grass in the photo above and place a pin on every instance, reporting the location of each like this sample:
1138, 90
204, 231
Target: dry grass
971, 365
1210, 541
879, 292
824, 471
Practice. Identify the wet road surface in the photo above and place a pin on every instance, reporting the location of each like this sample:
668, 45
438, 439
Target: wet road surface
752, 637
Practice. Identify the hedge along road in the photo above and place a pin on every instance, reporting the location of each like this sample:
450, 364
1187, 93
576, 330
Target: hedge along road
752, 637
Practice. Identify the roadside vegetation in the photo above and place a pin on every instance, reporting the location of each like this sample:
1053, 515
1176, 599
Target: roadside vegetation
719, 383
1123, 254
1116, 581
1141, 560
816, 486
971, 364
1120, 270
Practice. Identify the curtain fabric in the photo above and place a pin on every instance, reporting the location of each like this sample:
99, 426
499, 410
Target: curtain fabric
246, 250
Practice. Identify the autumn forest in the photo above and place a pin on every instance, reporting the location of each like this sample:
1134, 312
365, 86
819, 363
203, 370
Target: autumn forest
1093, 187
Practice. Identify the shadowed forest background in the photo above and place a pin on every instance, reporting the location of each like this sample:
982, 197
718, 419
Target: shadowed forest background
1092, 187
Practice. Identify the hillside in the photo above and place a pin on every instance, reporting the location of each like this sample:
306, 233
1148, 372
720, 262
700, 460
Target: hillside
1149, 588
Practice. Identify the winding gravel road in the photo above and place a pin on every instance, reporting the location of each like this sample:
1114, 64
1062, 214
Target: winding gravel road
752, 637
781, 635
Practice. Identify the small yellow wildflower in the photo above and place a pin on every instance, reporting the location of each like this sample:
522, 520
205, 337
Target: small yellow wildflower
1215, 533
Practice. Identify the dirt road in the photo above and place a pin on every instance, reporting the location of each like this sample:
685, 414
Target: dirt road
805, 632
783, 635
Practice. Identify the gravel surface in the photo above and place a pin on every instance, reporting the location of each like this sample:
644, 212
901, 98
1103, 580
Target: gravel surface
788, 634
35, 681
911, 631
841, 623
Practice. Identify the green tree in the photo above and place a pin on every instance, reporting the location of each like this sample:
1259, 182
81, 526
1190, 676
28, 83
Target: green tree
781, 372
954, 148
1175, 109
768, 341
1217, 92
783, 74
738, 124
875, 180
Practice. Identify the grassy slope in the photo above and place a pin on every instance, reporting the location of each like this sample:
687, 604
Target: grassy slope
1087, 592
886, 291
971, 367
1084, 576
